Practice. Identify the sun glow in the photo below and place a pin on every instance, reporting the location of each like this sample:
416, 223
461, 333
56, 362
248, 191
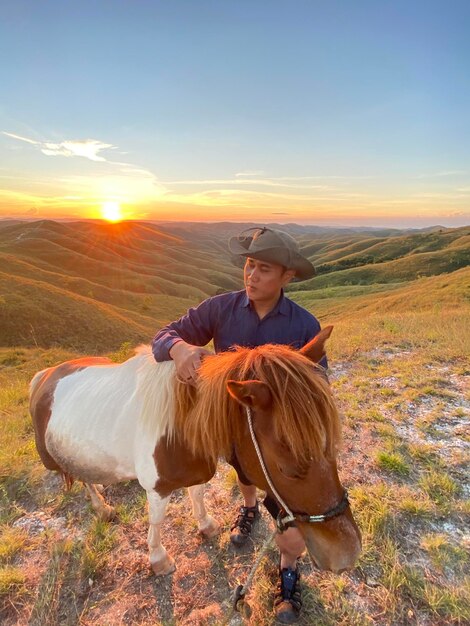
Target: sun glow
111, 211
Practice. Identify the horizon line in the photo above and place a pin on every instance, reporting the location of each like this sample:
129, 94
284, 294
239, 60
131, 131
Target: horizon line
228, 221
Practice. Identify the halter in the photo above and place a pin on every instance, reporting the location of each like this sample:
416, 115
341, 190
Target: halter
286, 517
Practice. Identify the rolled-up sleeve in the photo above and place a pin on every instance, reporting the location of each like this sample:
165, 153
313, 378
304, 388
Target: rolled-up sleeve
196, 328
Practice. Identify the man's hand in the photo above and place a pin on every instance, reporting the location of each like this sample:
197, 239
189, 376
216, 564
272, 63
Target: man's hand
187, 359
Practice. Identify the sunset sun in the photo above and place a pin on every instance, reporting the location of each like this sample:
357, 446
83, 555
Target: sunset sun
111, 211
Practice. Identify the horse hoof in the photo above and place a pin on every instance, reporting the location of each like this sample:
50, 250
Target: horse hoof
165, 567
211, 529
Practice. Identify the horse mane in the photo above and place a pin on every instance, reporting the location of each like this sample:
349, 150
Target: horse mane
305, 418
155, 391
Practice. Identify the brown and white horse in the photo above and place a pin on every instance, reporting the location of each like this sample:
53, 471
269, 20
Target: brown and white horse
102, 423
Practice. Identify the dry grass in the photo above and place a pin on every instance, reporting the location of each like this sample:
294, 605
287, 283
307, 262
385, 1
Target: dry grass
400, 380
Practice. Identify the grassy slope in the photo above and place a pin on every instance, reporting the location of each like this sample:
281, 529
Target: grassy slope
105, 284
424, 294
151, 274
73, 320
399, 375
386, 249
402, 269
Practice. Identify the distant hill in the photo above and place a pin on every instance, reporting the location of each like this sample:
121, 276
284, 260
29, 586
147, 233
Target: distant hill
92, 286
362, 260
382, 249
450, 291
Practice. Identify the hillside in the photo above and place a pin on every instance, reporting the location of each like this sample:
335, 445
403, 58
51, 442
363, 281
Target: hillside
92, 286
400, 380
379, 250
400, 258
399, 372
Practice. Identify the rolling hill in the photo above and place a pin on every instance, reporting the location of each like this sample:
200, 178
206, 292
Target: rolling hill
91, 286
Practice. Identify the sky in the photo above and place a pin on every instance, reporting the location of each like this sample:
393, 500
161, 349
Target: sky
341, 113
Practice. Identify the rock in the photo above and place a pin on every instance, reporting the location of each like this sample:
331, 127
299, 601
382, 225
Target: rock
36, 523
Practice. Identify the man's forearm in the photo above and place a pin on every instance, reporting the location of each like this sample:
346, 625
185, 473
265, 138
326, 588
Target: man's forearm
163, 342
178, 347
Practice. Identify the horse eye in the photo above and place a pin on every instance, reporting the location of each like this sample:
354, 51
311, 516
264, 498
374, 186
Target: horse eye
294, 474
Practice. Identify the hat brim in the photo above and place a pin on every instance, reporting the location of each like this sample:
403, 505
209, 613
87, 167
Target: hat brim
304, 269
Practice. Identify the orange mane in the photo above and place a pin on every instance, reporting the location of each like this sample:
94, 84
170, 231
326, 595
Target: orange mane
304, 415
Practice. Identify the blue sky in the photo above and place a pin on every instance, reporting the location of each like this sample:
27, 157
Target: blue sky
320, 112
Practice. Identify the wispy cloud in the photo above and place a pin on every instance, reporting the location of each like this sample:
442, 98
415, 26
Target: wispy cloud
297, 178
13, 136
443, 173
86, 148
250, 173
258, 182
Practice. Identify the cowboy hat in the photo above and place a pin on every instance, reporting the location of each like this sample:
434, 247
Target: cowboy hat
273, 246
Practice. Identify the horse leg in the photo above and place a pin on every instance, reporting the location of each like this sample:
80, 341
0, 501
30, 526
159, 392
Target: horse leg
103, 510
206, 524
160, 561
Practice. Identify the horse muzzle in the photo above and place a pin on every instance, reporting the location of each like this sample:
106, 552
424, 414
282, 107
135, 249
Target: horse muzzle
334, 545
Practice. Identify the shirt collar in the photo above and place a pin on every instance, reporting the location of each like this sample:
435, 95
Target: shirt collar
281, 307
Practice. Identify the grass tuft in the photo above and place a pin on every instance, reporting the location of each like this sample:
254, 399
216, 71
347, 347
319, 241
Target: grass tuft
100, 540
47, 599
442, 552
440, 487
12, 540
416, 506
452, 604
12, 579
393, 463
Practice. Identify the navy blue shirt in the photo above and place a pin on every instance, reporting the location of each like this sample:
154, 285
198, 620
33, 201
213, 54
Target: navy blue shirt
230, 319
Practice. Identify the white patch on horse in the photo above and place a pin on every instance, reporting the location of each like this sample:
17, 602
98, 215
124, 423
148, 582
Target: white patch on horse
107, 419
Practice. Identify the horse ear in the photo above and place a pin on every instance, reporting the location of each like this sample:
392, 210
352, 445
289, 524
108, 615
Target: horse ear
252, 393
315, 349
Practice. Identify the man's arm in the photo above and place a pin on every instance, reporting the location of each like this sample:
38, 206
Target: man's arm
179, 340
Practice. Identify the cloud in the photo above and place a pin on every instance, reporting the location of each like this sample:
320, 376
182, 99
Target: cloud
261, 182
89, 149
296, 178
20, 138
250, 173
86, 148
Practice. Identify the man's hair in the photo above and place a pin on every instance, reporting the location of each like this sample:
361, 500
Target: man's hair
283, 267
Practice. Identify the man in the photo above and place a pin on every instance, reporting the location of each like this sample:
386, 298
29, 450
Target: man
258, 315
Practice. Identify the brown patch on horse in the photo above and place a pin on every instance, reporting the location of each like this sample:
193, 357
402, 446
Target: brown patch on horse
304, 416
178, 466
42, 390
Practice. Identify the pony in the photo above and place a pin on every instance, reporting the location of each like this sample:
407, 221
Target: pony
102, 423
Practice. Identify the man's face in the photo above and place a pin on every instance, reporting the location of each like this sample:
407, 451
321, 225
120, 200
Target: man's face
263, 281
